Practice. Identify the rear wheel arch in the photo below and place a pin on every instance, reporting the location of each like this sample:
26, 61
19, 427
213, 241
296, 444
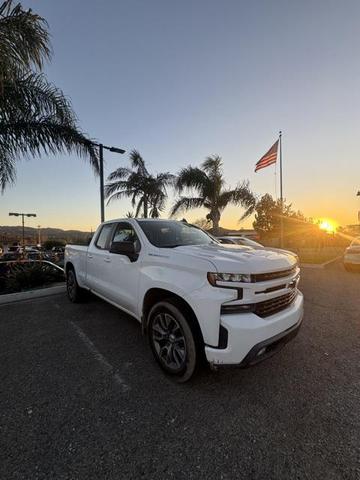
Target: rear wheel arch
69, 266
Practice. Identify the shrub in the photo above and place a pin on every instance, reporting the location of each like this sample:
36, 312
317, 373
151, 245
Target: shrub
18, 276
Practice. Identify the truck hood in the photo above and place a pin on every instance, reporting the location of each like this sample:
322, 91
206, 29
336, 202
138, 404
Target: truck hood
239, 259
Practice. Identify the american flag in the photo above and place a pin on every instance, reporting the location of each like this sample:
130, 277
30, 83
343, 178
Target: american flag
269, 158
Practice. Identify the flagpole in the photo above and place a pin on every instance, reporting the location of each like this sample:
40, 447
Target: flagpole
281, 194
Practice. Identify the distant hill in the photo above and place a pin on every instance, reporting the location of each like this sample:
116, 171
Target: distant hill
9, 234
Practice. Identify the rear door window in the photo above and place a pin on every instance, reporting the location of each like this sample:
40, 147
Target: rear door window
103, 239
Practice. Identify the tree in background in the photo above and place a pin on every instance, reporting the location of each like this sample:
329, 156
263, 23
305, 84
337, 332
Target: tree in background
268, 214
35, 116
202, 223
147, 192
207, 189
49, 244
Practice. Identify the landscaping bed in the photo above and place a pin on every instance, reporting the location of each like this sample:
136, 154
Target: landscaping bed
23, 276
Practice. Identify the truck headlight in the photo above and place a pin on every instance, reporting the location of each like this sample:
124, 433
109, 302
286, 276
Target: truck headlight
215, 278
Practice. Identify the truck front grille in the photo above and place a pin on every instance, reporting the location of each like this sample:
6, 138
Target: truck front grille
264, 277
262, 309
269, 307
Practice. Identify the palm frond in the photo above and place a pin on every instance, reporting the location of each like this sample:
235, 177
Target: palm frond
118, 196
186, 203
191, 178
7, 168
212, 165
119, 173
24, 37
112, 187
165, 178
36, 136
241, 195
31, 92
138, 162
35, 116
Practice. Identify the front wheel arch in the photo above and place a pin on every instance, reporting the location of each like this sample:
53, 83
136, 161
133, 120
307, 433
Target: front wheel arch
156, 295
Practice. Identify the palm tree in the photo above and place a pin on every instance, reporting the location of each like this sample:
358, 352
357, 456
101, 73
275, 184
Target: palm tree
147, 192
35, 116
209, 184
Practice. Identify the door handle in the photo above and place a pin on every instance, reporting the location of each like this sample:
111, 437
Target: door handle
90, 256
107, 260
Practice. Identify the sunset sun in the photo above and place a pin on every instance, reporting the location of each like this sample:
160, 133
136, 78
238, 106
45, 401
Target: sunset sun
327, 225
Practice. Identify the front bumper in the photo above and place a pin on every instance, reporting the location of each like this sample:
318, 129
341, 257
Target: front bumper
251, 339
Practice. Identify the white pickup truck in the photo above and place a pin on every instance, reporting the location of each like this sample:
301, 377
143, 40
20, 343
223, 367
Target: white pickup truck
195, 298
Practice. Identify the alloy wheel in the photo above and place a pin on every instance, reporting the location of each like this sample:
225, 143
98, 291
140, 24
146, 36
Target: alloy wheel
169, 342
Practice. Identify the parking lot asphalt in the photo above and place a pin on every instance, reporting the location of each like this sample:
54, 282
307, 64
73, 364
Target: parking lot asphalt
82, 398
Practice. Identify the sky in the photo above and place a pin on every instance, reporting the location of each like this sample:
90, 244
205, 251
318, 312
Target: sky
182, 80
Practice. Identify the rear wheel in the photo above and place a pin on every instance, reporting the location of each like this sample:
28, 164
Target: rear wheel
172, 341
75, 293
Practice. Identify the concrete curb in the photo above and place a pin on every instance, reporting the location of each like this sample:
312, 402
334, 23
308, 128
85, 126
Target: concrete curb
320, 265
31, 294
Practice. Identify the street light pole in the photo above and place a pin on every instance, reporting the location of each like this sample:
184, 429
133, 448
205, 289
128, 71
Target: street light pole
39, 235
22, 215
101, 158
101, 173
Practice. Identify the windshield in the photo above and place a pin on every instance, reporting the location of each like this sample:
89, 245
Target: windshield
172, 234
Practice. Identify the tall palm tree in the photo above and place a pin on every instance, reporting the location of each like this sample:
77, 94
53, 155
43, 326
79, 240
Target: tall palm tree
208, 183
35, 116
147, 192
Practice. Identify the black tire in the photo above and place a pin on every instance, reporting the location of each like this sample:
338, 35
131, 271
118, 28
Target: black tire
172, 340
74, 292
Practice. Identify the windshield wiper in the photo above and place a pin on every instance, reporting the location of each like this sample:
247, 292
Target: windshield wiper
171, 246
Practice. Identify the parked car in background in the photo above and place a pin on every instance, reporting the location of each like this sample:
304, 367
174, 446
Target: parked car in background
31, 249
10, 257
195, 298
352, 256
58, 249
247, 242
15, 249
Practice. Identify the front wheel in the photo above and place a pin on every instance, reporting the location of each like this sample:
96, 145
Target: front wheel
172, 341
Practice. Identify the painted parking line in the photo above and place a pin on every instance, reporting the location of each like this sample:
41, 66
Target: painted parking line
108, 368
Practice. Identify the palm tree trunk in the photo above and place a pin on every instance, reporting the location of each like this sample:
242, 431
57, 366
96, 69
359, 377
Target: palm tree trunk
145, 208
215, 216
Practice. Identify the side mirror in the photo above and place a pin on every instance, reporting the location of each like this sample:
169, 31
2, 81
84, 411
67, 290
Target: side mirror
125, 248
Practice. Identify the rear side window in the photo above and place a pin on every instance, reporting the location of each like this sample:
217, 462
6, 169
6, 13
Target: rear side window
102, 241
